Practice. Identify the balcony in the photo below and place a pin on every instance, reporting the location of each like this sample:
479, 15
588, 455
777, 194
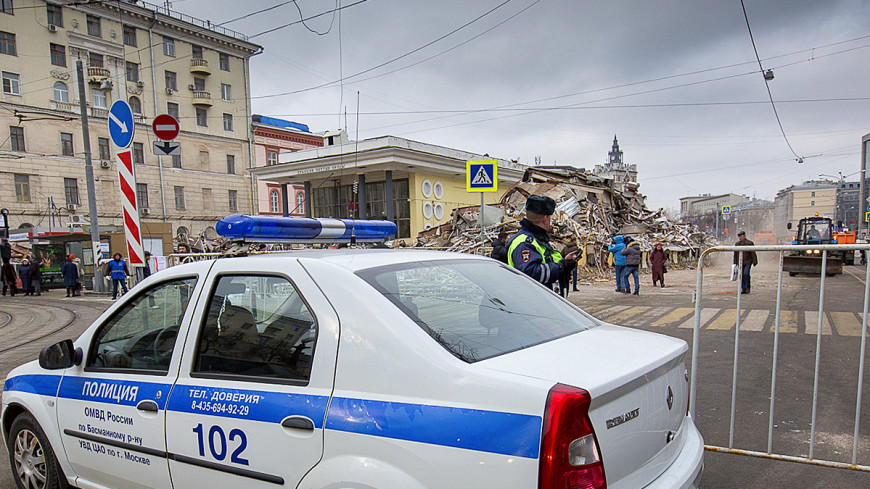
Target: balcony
64, 106
98, 75
99, 112
200, 66
201, 98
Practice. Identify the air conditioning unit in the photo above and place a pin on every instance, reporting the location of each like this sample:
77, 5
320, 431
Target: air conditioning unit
72, 207
145, 211
77, 219
192, 86
105, 164
169, 91
52, 27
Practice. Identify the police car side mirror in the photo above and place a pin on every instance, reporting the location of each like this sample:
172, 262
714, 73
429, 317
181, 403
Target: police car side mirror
60, 355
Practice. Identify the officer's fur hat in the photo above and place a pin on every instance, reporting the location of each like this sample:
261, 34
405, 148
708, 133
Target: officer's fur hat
541, 204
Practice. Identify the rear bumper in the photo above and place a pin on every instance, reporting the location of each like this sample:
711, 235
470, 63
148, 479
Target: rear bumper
685, 472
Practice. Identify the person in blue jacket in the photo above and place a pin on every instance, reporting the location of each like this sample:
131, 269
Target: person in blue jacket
530, 251
118, 271
618, 261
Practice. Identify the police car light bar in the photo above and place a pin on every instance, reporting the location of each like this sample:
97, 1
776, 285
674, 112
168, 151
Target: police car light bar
273, 229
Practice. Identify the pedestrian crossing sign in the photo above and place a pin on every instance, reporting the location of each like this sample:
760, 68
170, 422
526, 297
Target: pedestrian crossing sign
481, 176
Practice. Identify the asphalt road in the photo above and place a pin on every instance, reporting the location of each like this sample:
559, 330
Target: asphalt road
29, 323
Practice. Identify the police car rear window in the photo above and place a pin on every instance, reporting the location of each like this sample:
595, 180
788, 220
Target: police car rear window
476, 309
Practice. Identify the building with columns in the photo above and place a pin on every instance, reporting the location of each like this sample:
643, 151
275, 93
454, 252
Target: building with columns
615, 169
159, 61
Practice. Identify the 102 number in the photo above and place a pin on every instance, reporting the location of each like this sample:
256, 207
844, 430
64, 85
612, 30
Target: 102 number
217, 443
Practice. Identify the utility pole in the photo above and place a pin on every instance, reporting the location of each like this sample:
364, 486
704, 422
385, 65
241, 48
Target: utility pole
89, 178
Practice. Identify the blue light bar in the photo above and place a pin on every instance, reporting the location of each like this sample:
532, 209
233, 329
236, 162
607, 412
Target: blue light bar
273, 229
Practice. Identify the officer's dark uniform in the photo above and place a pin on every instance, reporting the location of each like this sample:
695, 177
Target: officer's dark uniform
530, 251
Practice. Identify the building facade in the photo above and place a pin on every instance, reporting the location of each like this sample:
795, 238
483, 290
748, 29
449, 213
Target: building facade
616, 170
811, 198
159, 61
705, 211
849, 212
272, 138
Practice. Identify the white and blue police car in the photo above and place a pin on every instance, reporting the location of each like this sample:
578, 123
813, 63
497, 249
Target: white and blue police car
351, 369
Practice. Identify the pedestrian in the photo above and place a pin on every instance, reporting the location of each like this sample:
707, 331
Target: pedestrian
750, 259
146, 272
24, 275
118, 271
530, 251
499, 247
70, 276
7, 273
632, 255
657, 264
5, 251
36, 276
618, 261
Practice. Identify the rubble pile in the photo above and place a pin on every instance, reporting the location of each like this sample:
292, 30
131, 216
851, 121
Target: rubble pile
590, 211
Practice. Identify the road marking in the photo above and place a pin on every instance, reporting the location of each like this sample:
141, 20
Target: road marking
707, 313
725, 321
595, 308
812, 320
653, 313
857, 277
630, 313
754, 321
675, 316
847, 323
610, 311
788, 322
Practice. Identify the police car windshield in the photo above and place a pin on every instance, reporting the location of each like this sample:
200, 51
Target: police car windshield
477, 309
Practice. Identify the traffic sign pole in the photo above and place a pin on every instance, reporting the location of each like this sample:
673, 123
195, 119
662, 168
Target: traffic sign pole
481, 176
98, 285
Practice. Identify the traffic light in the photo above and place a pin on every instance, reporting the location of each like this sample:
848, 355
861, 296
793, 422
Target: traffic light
726, 231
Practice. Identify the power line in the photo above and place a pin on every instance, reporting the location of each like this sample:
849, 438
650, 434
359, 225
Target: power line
300, 21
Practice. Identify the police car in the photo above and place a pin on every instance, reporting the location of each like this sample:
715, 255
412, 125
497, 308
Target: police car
351, 369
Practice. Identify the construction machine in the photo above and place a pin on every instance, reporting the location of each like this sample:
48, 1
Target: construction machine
810, 231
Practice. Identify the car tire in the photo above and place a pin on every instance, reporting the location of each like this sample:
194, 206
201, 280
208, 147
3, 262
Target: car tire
33, 463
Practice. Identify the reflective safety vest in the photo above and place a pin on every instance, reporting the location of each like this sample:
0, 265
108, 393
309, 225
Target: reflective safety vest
544, 251
534, 258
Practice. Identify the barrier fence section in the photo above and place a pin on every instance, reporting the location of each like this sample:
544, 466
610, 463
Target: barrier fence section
823, 250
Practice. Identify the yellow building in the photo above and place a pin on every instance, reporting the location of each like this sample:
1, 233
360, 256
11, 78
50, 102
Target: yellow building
424, 182
809, 199
158, 60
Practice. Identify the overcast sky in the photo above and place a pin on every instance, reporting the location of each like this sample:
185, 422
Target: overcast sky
676, 81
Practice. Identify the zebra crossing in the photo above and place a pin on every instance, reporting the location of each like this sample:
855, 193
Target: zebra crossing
834, 323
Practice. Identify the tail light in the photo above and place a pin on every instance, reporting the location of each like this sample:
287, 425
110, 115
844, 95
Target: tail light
570, 458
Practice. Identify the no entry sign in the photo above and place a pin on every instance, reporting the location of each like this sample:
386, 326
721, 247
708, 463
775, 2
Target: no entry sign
165, 127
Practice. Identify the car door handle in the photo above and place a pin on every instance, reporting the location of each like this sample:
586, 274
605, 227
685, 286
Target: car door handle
298, 422
149, 406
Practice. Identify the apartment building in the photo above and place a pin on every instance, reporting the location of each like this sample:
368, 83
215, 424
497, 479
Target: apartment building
160, 61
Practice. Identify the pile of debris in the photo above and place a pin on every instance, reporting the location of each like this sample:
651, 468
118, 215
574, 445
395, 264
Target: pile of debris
590, 211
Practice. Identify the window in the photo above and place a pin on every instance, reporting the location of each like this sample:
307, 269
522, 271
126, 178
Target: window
58, 54
98, 98
55, 14
271, 340
271, 158
228, 122
196, 51
141, 336
333, 202
207, 199
179, 198
225, 62
71, 190
300, 203
138, 154
66, 144
61, 92
231, 164
7, 43
94, 28
201, 117
168, 46
233, 197
132, 72
274, 202
199, 84
171, 80
142, 195
130, 35
103, 145
95, 60
812, 194
172, 109
11, 83
22, 188
812, 203
204, 162
176, 161
226, 92
16, 137
6, 6
135, 105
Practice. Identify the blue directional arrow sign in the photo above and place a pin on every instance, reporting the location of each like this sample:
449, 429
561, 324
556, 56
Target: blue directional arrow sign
121, 124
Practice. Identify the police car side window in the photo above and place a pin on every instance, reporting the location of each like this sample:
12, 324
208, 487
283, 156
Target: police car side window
256, 326
141, 336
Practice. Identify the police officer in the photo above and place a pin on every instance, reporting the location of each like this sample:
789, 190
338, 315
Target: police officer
530, 251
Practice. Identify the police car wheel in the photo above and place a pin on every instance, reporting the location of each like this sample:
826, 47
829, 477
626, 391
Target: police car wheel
33, 462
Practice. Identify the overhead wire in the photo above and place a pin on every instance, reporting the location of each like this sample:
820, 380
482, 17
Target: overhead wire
300, 21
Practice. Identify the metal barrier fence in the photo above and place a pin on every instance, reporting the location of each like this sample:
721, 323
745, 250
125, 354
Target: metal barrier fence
823, 249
